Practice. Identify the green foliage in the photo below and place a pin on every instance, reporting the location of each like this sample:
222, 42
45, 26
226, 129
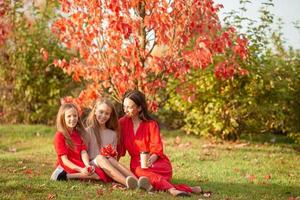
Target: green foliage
30, 86
266, 100
218, 107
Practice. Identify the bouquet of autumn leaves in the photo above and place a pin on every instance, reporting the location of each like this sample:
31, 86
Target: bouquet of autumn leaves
108, 151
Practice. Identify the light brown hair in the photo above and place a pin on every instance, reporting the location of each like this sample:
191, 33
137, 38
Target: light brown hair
112, 123
61, 123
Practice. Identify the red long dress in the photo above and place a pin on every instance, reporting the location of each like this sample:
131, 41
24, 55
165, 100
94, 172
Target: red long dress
147, 138
74, 155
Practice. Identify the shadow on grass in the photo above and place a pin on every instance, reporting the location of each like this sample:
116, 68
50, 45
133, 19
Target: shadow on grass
245, 190
174, 133
268, 138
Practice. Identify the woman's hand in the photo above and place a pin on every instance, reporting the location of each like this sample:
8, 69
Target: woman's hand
152, 159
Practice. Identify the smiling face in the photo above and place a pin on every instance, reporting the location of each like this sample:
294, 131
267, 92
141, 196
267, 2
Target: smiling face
130, 108
102, 114
71, 118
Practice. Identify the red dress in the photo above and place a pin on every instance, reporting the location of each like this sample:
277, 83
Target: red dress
147, 138
74, 155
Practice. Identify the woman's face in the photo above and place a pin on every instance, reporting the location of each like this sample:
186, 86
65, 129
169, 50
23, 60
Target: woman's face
102, 113
71, 118
130, 108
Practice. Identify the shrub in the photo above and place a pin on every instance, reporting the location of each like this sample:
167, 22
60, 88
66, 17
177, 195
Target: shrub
30, 87
267, 100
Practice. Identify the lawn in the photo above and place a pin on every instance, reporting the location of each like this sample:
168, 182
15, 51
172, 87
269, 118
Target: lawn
254, 168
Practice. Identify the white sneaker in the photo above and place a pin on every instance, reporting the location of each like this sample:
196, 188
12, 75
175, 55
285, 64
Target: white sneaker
144, 183
131, 183
59, 174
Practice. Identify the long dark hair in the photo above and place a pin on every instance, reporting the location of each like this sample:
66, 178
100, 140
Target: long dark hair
140, 100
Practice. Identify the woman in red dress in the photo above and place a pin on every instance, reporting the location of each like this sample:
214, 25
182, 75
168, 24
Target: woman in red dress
140, 133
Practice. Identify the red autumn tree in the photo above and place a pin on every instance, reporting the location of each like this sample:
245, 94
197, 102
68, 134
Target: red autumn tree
123, 45
5, 24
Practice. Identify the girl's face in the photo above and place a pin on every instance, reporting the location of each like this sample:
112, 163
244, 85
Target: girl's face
71, 118
130, 108
102, 113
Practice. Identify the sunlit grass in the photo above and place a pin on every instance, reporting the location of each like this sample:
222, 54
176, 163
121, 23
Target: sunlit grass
243, 170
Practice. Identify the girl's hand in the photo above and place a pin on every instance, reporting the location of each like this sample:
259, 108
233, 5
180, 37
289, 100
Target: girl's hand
152, 159
84, 170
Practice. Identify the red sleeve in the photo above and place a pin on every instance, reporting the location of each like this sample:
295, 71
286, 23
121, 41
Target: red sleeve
60, 144
155, 140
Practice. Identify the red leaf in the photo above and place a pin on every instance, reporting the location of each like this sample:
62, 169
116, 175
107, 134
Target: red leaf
51, 196
100, 192
113, 46
250, 177
267, 177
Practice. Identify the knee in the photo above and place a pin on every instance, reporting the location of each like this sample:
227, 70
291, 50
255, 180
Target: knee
140, 172
100, 159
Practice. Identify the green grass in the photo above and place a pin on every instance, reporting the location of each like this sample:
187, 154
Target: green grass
258, 170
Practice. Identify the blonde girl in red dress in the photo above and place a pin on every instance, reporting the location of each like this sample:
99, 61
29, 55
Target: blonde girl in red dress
72, 158
102, 139
140, 133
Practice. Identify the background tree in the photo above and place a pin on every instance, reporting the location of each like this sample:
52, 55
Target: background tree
123, 45
30, 88
265, 101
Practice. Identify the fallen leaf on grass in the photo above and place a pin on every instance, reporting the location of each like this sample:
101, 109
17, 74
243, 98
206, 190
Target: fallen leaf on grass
28, 171
206, 146
100, 192
267, 177
185, 145
204, 180
236, 170
207, 194
229, 148
241, 145
264, 183
250, 177
12, 149
51, 196
177, 140
206, 152
294, 198
28, 187
118, 186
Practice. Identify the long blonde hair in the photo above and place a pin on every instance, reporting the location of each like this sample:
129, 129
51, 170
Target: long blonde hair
61, 123
112, 123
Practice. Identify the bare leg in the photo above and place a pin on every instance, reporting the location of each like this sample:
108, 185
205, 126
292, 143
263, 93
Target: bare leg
197, 189
82, 176
121, 168
175, 192
110, 170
